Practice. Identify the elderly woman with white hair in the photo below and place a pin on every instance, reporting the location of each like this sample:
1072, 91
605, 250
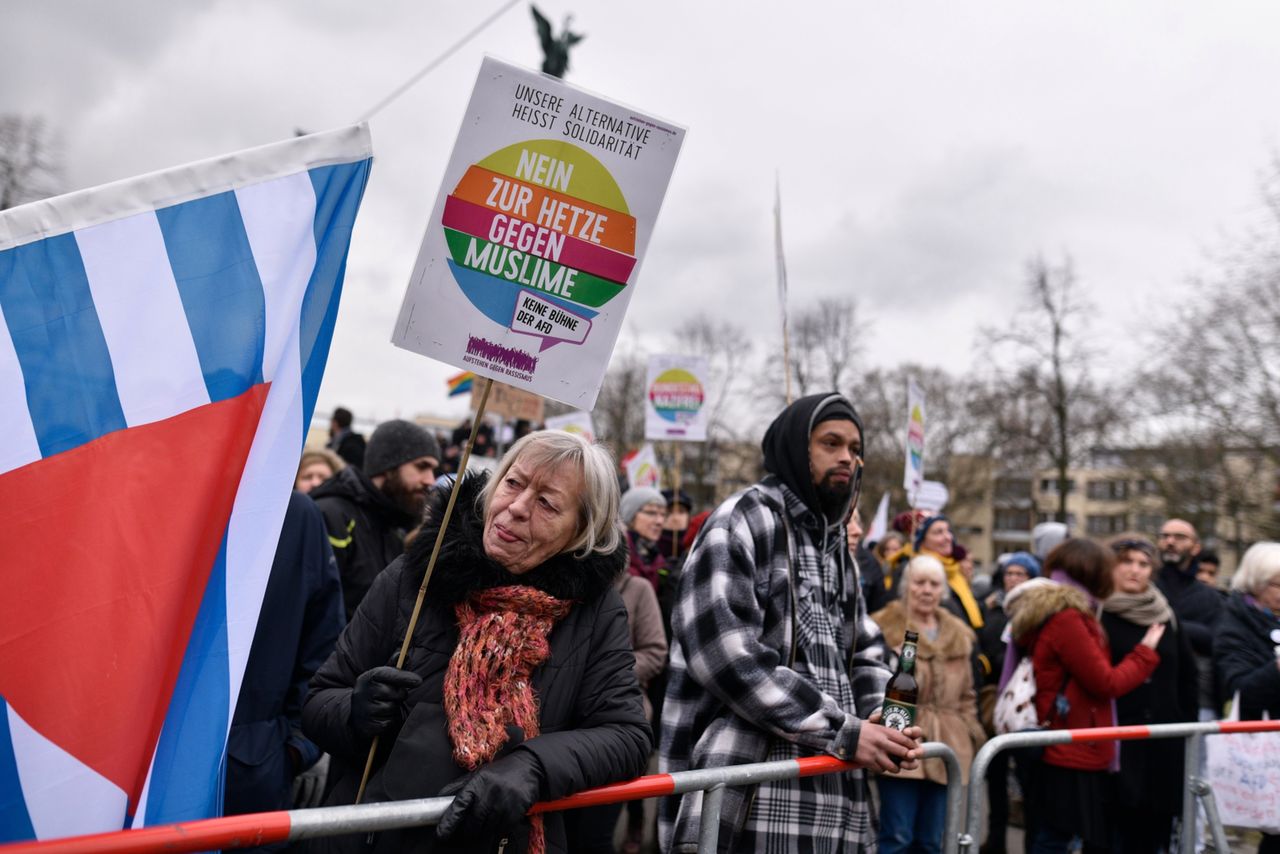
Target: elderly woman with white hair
519, 684
1246, 643
913, 803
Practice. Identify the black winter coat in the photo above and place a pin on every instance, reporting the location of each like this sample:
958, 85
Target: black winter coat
301, 619
366, 530
350, 446
592, 716
1151, 771
1244, 657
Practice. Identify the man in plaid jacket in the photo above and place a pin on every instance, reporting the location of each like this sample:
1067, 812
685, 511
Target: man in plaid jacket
773, 655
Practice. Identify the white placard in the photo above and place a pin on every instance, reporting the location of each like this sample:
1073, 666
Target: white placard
675, 399
932, 497
573, 422
642, 469
533, 249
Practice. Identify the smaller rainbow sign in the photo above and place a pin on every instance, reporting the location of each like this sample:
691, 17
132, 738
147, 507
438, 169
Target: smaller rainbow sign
676, 398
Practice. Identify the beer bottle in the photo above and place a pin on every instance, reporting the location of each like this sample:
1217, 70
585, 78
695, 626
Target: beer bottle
902, 693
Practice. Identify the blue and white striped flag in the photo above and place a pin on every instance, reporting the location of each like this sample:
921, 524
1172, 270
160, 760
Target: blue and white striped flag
162, 341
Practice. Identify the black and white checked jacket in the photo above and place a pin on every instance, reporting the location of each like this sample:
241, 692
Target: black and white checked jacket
741, 689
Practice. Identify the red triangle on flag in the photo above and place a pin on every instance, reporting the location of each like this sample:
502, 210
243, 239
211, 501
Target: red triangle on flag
109, 549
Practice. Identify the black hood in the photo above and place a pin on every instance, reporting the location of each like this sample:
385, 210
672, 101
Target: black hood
786, 443
354, 485
464, 567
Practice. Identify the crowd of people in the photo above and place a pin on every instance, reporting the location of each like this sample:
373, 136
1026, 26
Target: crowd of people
574, 632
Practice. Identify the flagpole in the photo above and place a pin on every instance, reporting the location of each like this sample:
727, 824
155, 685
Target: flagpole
431, 564
675, 497
781, 262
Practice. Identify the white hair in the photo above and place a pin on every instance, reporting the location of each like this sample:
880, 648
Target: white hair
926, 565
1258, 568
598, 527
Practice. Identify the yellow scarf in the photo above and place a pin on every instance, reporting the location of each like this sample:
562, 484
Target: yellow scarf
960, 586
955, 580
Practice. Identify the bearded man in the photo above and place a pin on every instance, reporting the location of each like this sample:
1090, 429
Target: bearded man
773, 655
368, 512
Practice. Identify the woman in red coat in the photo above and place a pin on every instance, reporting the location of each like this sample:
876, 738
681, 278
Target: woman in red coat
1076, 687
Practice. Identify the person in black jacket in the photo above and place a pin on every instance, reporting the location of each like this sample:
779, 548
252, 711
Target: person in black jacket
367, 512
1011, 570
343, 441
1246, 649
1149, 785
870, 570
302, 617
1195, 603
519, 684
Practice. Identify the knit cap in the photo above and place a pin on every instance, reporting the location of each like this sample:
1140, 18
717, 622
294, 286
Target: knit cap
633, 500
925, 526
395, 443
1026, 560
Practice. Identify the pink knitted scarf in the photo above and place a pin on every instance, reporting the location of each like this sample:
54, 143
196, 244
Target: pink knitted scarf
502, 637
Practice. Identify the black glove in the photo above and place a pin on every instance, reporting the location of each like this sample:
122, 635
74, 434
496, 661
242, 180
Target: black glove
494, 797
377, 697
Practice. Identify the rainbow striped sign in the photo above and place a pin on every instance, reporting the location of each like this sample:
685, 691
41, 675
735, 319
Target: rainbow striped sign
675, 399
532, 251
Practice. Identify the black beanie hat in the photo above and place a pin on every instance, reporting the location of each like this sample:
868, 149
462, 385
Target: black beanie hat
395, 443
786, 442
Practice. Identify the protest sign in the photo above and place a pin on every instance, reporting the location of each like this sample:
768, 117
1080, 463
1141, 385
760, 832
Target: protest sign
573, 422
913, 473
532, 252
1244, 769
931, 497
675, 399
642, 468
509, 402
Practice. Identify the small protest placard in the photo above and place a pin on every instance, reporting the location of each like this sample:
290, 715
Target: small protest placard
509, 402
675, 399
642, 468
533, 249
573, 422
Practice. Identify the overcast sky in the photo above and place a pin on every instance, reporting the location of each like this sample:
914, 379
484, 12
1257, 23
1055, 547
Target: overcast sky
925, 150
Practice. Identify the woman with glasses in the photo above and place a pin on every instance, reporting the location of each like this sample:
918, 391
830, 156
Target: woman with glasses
643, 510
1149, 785
1246, 643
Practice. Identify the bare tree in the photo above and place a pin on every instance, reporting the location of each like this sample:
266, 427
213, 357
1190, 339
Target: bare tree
1213, 389
825, 345
957, 426
29, 167
619, 412
1044, 401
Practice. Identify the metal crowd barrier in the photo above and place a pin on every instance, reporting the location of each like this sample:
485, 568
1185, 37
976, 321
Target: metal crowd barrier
294, 825
244, 831
1195, 786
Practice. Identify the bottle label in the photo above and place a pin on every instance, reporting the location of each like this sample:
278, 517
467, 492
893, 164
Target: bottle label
898, 715
908, 656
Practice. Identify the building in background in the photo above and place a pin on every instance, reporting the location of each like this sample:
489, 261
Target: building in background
1233, 499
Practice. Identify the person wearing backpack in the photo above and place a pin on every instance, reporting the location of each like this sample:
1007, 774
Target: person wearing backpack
1075, 688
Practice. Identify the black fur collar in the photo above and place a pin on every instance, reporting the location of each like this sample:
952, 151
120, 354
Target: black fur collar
463, 566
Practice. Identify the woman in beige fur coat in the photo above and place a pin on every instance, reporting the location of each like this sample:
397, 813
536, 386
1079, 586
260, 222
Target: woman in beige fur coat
913, 803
